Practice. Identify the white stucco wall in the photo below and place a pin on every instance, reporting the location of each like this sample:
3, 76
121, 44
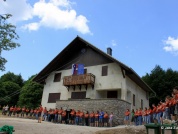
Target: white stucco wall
139, 94
113, 81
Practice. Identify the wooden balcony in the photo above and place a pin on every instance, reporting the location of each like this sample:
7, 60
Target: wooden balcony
79, 80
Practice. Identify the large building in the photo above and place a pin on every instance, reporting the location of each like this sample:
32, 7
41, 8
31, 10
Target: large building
105, 83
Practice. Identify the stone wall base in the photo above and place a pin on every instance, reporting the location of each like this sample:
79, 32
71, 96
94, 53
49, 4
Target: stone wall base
117, 106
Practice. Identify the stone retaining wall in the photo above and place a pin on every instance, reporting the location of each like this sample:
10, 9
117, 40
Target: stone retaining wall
116, 106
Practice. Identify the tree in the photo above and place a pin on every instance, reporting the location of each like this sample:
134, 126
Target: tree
31, 94
7, 37
9, 93
10, 86
162, 82
9, 76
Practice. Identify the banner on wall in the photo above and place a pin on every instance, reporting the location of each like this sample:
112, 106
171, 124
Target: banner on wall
80, 69
74, 69
77, 69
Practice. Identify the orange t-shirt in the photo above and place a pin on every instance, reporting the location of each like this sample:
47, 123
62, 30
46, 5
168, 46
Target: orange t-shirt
27, 110
11, 109
91, 115
136, 113
149, 111
154, 109
106, 116
23, 109
63, 114
18, 109
72, 113
127, 113
139, 112
60, 111
144, 112
173, 101
45, 111
96, 115
81, 114
86, 115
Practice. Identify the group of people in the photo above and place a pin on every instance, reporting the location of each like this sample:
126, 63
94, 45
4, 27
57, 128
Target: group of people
74, 117
167, 109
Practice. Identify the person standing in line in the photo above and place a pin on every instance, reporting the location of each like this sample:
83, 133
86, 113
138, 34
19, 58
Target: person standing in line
154, 111
31, 113
60, 115
18, 111
140, 116
14, 110
136, 118
110, 119
72, 113
145, 116
63, 116
101, 116
27, 112
132, 117
40, 110
96, 118
11, 111
126, 119
56, 115
149, 113
23, 112
44, 113
106, 119
92, 119
86, 118
81, 118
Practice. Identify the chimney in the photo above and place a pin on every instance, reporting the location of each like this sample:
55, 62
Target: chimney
109, 51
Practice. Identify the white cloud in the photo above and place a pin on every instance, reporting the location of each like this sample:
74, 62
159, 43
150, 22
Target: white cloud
20, 9
171, 45
113, 43
56, 14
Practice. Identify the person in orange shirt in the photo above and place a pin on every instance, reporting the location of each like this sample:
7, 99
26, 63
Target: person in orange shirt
96, 118
106, 117
18, 111
40, 110
63, 116
86, 118
136, 117
72, 113
27, 111
44, 114
172, 107
56, 115
175, 91
145, 116
140, 117
92, 119
60, 115
167, 109
81, 115
149, 113
126, 119
154, 111
14, 110
23, 112
11, 110
31, 113
77, 117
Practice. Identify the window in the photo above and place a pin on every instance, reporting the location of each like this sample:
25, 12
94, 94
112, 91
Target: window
141, 103
104, 71
78, 95
133, 99
85, 71
53, 97
57, 77
112, 94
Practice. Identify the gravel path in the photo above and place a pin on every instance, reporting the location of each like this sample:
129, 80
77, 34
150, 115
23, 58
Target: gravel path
29, 126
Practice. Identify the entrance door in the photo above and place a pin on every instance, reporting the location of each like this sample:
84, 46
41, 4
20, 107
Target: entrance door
112, 94
78, 95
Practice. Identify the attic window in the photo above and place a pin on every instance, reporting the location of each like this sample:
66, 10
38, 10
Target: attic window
104, 71
57, 77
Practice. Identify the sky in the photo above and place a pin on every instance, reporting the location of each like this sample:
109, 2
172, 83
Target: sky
141, 33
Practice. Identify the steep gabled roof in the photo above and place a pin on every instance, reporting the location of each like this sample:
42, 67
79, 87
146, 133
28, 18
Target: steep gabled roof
71, 48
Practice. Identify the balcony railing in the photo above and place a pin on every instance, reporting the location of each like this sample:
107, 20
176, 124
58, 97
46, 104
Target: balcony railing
84, 79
